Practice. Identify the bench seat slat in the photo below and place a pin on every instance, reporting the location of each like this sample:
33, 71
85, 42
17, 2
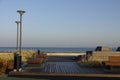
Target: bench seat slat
35, 61
114, 58
113, 61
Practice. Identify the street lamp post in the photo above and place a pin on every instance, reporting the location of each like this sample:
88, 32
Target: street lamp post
18, 57
21, 12
17, 46
16, 68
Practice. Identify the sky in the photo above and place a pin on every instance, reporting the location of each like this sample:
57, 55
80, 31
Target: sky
61, 23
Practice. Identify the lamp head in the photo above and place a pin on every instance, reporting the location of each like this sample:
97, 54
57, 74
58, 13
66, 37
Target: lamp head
20, 12
17, 21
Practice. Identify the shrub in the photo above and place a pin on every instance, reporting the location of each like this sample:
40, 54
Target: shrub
10, 64
91, 64
3, 65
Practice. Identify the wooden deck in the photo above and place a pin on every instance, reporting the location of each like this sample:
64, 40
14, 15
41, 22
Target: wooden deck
54, 76
64, 69
60, 67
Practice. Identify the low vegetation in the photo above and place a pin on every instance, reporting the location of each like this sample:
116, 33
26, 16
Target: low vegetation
27, 54
3, 65
91, 64
10, 56
7, 59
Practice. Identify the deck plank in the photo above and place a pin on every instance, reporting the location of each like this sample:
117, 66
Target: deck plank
60, 67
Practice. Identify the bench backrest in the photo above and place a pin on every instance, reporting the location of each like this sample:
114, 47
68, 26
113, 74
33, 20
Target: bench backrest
114, 58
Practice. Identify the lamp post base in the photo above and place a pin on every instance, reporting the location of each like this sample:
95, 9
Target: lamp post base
17, 62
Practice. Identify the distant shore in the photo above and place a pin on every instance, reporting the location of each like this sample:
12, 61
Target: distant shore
48, 49
52, 49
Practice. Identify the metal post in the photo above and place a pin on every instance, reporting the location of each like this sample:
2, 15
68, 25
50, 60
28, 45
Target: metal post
20, 33
17, 48
19, 57
21, 13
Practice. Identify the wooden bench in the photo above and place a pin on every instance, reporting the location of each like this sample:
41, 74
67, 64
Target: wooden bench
41, 56
35, 61
113, 61
113, 65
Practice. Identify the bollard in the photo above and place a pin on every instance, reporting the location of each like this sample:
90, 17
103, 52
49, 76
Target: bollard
38, 52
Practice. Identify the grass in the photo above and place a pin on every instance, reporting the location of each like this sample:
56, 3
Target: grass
7, 56
10, 56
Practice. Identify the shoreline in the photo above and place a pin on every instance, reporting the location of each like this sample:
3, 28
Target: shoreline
65, 54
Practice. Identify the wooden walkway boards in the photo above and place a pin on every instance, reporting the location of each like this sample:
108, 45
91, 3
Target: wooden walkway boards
60, 67
64, 68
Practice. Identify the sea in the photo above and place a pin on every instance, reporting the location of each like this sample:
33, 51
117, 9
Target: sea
51, 49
